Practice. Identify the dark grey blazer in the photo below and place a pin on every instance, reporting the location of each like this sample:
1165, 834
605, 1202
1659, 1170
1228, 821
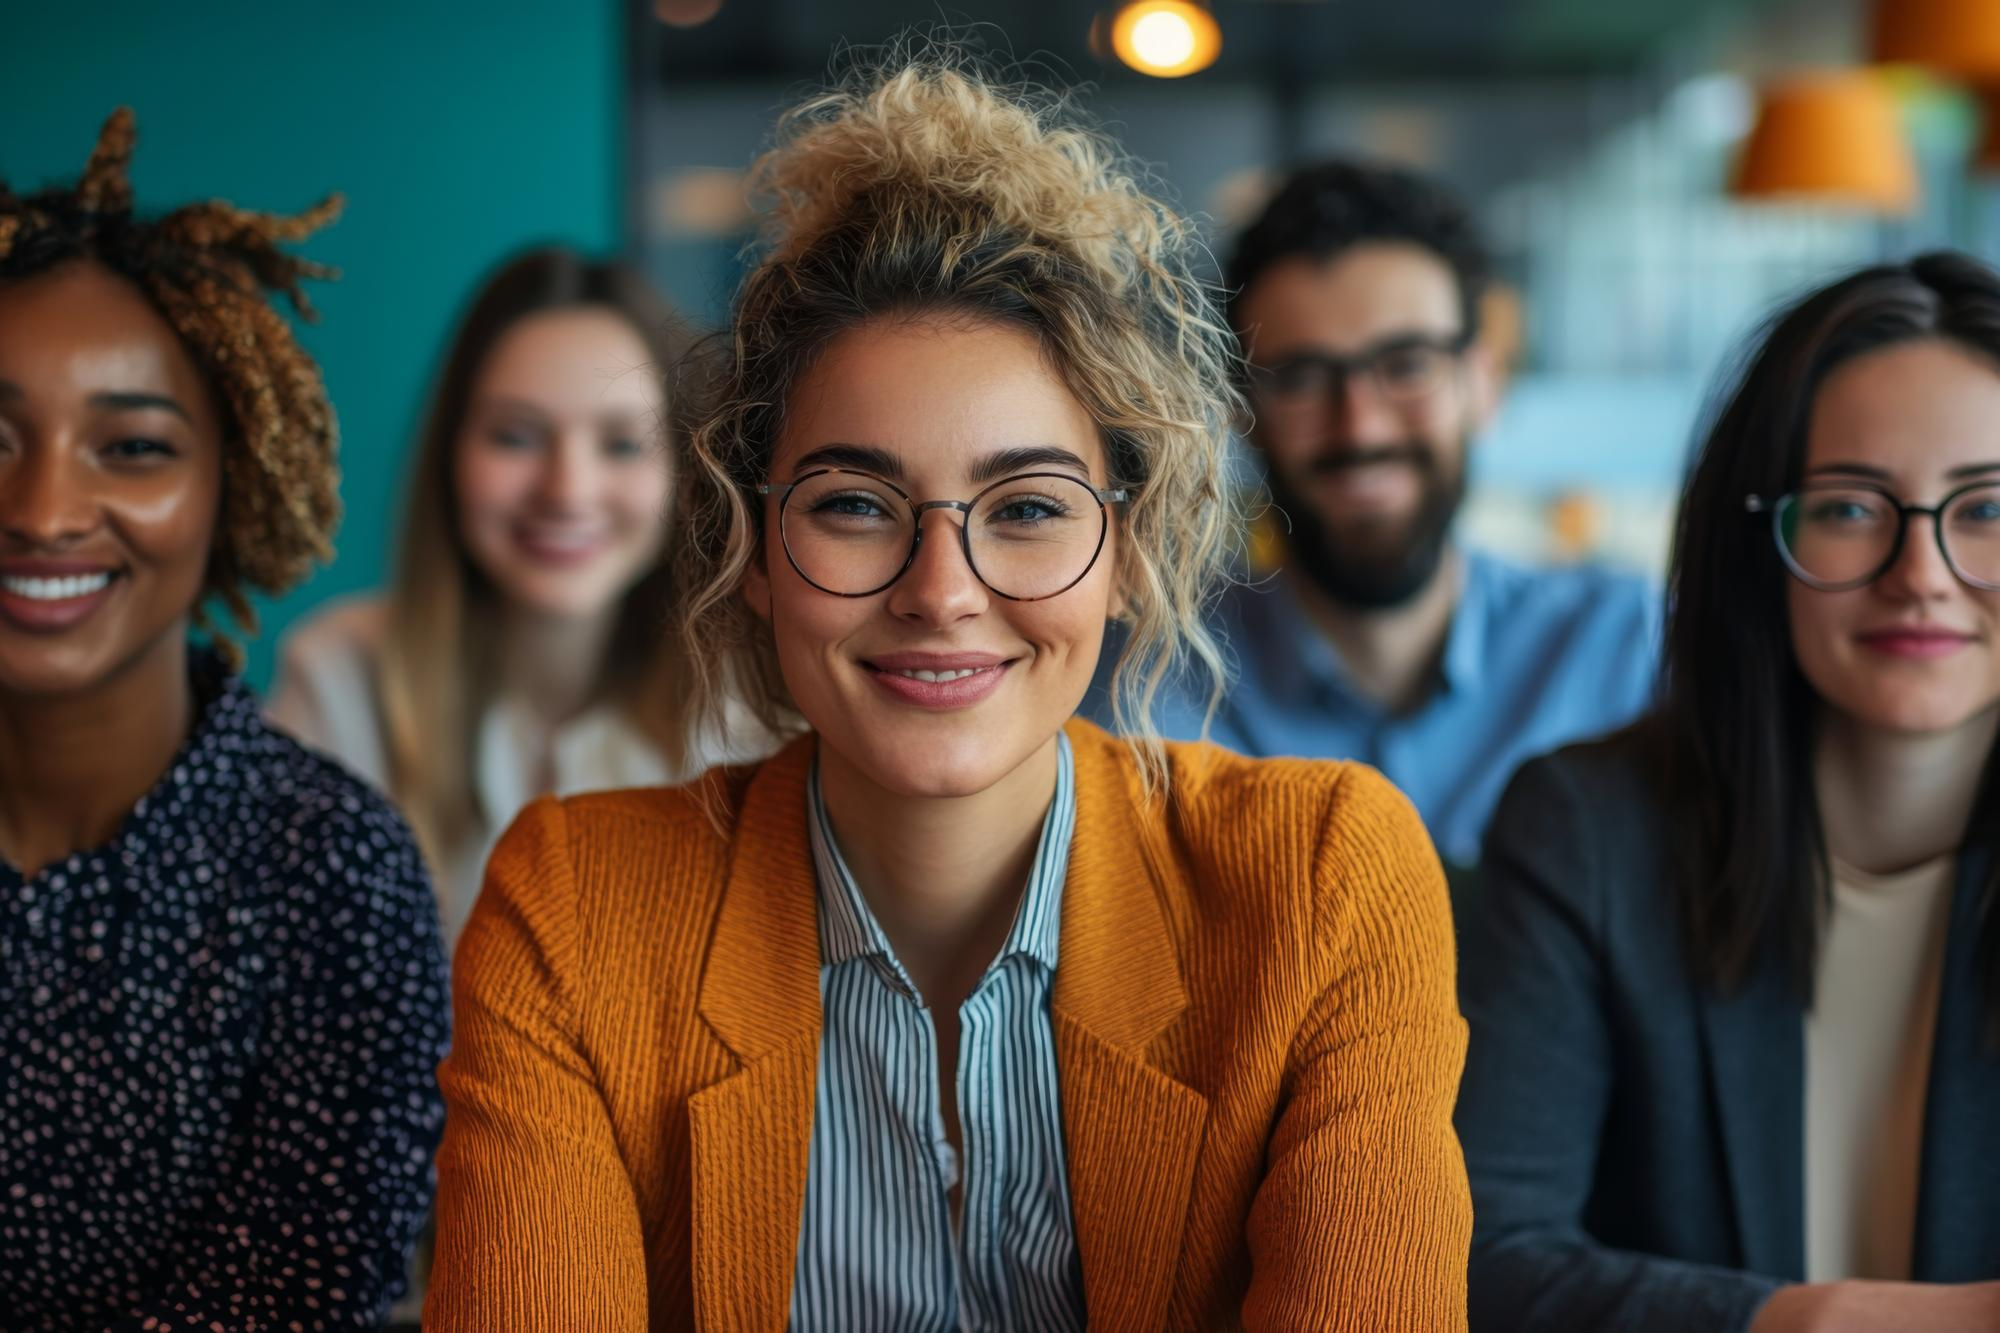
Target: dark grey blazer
1636, 1144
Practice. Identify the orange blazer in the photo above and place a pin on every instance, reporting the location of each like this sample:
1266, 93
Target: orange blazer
1258, 1046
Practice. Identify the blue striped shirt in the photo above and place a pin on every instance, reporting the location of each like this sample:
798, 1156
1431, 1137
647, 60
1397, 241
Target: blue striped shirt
877, 1245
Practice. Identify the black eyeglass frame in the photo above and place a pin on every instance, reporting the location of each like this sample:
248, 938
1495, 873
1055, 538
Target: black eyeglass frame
1105, 497
1343, 369
1757, 504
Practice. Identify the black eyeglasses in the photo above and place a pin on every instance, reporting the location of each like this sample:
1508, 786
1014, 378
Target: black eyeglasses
1403, 371
1836, 536
1027, 537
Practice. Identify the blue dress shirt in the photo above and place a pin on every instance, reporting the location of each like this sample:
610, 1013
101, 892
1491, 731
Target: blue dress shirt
878, 1247
1534, 659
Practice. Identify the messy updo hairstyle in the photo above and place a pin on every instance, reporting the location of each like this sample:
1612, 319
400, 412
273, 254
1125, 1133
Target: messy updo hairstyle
921, 186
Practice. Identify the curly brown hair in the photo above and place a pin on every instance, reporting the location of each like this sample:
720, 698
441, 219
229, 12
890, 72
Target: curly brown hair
206, 266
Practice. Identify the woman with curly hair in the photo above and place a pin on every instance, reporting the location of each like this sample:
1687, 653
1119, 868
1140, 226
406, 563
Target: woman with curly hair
958, 1012
221, 989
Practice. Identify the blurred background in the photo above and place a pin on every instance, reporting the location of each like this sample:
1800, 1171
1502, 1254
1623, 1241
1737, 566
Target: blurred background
1653, 175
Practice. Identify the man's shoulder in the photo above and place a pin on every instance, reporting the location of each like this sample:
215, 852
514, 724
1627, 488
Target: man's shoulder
1563, 594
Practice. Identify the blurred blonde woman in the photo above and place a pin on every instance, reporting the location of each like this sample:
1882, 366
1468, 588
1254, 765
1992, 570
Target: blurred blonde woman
522, 646
958, 1012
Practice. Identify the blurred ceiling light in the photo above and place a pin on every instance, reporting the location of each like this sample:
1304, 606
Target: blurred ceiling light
1714, 108
700, 201
1832, 138
1166, 38
685, 13
1960, 38
1240, 196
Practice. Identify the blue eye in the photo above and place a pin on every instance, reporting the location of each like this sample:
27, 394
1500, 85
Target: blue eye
852, 504
1841, 511
623, 448
1029, 511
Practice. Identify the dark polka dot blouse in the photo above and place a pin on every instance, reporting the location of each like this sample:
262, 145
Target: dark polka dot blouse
219, 1036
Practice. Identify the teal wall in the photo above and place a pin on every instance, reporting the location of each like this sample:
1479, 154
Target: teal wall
458, 132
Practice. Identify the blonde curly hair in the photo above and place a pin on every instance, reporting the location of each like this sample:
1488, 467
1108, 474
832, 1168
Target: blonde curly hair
922, 185
206, 267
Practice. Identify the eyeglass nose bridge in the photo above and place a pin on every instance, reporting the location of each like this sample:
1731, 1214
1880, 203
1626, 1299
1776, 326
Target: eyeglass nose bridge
920, 509
917, 511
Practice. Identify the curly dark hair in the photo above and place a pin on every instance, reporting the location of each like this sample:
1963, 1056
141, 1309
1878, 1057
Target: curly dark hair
1322, 210
206, 267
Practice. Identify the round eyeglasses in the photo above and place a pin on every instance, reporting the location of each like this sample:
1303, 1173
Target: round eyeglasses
1837, 536
1027, 537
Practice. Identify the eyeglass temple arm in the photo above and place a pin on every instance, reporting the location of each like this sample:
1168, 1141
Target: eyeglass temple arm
1756, 504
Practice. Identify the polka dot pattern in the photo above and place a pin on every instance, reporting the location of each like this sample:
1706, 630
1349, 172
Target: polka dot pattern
219, 1034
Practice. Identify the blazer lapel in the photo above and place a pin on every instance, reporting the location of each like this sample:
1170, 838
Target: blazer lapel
1756, 1054
1958, 1198
1132, 1134
752, 1132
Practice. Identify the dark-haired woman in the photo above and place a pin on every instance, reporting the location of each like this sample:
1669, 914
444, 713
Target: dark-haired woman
1735, 990
521, 647
221, 992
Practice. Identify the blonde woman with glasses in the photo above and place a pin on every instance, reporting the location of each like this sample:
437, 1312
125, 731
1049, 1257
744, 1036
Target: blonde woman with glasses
958, 1012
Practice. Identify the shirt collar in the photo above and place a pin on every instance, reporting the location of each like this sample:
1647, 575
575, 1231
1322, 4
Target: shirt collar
848, 930
600, 747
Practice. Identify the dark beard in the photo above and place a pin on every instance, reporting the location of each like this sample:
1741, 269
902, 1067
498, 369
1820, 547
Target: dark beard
1373, 575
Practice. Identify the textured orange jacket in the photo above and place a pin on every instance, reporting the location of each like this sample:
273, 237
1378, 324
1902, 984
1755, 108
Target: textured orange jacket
1257, 1040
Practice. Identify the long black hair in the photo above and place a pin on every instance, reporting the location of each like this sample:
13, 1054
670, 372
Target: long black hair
1737, 719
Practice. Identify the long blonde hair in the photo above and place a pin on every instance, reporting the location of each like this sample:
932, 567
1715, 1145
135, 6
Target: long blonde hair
921, 184
437, 670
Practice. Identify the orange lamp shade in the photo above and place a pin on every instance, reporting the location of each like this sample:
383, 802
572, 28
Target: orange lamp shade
1831, 139
1959, 38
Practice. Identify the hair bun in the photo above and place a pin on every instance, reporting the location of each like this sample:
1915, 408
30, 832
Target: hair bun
886, 151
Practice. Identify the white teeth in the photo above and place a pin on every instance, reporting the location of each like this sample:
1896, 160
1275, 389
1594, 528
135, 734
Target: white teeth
56, 590
563, 541
943, 675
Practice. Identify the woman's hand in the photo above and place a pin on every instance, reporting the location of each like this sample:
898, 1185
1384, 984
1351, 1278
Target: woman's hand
1882, 1307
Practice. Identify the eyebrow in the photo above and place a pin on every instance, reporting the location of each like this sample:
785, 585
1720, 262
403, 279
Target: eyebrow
140, 402
991, 467
1871, 473
1030, 458
120, 401
864, 457
517, 406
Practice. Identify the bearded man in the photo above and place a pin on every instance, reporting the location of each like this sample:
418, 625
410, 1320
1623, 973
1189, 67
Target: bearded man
1357, 295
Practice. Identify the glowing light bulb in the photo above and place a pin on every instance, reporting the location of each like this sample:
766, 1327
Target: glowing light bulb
1166, 38
1163, 39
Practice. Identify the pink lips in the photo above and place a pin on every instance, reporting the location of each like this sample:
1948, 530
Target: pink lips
1917, 643
961, 692
559, 554
35, 615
